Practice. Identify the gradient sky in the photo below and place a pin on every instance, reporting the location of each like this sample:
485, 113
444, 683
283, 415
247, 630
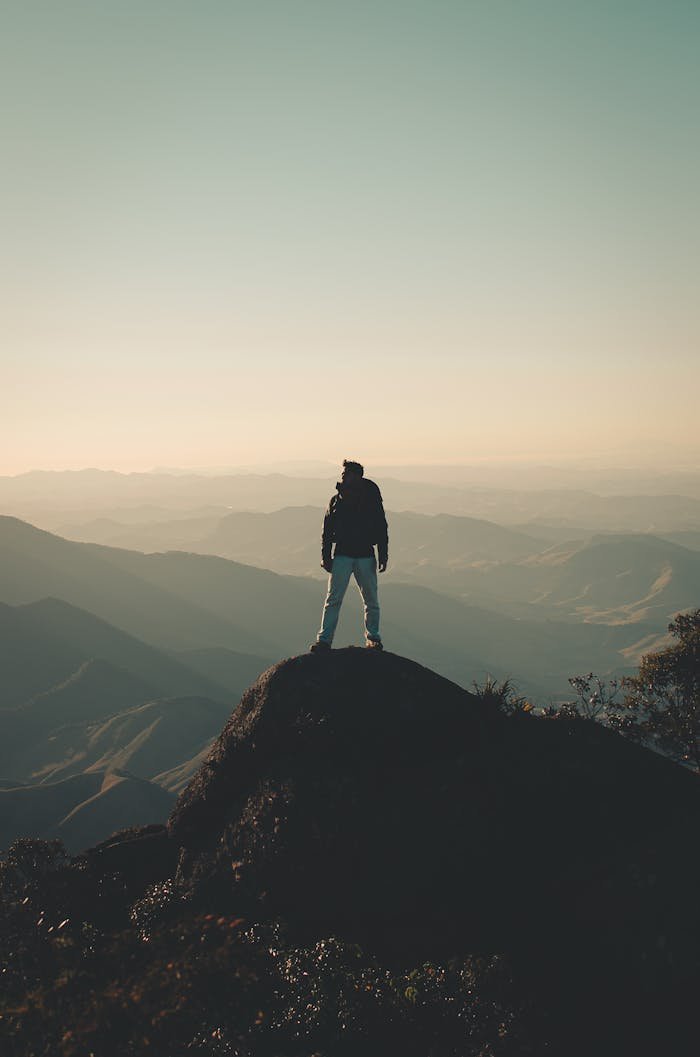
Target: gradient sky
402, 230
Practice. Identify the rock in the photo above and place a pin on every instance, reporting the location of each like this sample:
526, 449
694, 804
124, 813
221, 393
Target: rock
143, 855
358, 793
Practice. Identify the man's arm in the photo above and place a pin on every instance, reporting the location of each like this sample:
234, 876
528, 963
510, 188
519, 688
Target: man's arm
382, 535
327, 537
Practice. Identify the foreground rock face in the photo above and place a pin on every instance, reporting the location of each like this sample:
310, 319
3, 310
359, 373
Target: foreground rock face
359, 793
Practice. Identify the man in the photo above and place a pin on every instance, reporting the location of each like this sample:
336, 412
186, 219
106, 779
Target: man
354, 521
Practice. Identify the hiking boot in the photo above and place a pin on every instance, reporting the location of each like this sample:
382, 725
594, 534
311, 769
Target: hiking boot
319, 647
373, 644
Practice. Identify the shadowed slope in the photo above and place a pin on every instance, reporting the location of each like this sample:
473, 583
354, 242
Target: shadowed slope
175, 600
361, 793
82, 809
44, 643
97, 688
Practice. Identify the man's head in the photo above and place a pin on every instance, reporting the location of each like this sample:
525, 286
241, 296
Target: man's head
352, 472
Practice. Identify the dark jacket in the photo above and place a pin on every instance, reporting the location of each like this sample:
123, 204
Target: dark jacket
355, 521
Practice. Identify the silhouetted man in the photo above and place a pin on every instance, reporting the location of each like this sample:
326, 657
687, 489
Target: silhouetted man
354, 522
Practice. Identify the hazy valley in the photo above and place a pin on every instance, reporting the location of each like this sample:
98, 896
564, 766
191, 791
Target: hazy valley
130, 629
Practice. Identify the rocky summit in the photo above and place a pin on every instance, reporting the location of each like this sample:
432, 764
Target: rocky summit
372, 860
360, 794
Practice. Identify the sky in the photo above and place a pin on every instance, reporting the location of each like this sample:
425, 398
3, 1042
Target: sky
395, 230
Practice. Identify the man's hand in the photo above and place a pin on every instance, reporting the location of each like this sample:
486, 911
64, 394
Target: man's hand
382, 567
327, 564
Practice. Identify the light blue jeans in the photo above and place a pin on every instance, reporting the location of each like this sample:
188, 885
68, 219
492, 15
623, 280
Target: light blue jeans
365, 572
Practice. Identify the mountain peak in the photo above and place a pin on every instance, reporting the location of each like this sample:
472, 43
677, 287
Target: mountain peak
359, 793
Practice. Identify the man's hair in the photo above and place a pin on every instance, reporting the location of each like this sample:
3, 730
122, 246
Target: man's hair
354, 467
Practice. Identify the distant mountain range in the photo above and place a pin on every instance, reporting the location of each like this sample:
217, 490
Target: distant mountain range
177, 600
180, 601
119, 667
55, 499
288, 540
608, 578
